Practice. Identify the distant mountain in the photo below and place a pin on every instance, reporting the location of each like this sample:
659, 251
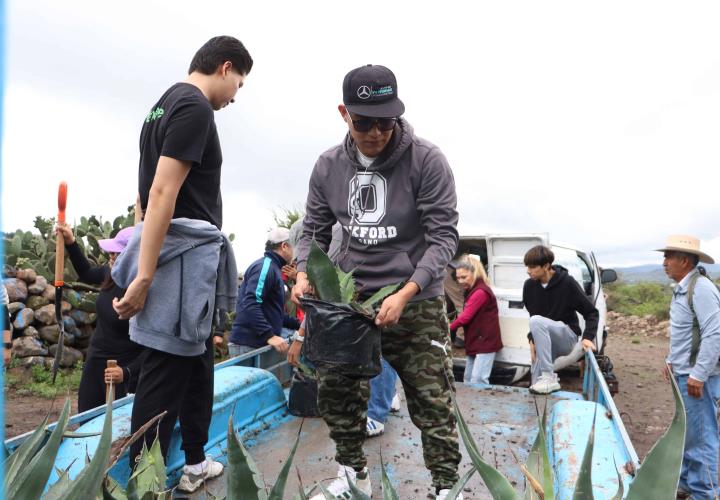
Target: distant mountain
655, 272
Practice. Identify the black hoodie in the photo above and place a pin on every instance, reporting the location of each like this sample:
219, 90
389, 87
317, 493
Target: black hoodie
559, 301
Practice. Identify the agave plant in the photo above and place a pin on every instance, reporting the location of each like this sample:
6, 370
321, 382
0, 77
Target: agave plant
332, 284
244, 479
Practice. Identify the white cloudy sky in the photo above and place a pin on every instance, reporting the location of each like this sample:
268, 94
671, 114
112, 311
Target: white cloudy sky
597, 122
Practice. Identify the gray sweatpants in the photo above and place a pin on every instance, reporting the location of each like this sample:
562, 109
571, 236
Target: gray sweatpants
552, 340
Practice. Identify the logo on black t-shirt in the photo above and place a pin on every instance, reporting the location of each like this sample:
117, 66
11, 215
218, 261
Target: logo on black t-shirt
154, 114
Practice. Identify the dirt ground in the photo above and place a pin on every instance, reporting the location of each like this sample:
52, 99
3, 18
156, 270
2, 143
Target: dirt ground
644, 401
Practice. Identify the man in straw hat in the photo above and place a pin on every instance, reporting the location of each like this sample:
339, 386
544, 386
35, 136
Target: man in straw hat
693, 360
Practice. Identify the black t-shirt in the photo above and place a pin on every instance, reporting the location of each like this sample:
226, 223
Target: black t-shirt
181, 125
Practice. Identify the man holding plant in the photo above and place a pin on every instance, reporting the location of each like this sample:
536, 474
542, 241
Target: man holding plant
693, 359
394, 196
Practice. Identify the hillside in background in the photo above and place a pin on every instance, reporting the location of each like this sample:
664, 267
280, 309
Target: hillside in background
655, 273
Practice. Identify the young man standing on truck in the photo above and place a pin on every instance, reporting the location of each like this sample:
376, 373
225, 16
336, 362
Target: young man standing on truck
394, 195
552, 298
693, 359
179, 188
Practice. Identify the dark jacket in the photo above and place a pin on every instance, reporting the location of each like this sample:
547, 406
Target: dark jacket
398, 216
562, 298
480, 321
260, 310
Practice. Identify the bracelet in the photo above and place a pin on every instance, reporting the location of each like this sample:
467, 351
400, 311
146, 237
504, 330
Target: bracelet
296, 336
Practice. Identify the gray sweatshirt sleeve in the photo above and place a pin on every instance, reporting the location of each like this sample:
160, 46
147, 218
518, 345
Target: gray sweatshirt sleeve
318, 221
437, 205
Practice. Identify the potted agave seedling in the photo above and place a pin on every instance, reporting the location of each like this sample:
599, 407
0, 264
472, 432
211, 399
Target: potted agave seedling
341, 331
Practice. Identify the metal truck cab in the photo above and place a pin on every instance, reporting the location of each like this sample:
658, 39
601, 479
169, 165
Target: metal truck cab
503, 255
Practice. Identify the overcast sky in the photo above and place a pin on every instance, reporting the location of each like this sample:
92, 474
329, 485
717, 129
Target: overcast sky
597, 122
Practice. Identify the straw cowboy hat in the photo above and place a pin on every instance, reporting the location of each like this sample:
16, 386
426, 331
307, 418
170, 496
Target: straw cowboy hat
687, 244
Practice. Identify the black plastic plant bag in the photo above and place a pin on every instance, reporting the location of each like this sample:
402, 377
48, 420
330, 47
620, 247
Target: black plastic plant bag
302, 400
342, 339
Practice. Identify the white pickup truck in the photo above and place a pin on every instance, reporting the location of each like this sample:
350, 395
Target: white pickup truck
502, 254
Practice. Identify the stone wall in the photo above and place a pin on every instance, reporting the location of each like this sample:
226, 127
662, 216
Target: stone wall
32, 310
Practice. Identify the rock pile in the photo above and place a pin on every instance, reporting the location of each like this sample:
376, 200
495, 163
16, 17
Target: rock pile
650, 326
32, 310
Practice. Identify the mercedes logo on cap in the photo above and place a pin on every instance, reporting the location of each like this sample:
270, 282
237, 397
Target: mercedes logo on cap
363, 92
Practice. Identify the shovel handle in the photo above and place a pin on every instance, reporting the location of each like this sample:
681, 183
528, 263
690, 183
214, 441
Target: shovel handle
111, 363
59, 241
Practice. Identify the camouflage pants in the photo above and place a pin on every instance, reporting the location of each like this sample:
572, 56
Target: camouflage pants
343, 400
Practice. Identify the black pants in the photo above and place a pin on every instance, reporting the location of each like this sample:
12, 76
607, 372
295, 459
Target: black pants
92, 384
182, 386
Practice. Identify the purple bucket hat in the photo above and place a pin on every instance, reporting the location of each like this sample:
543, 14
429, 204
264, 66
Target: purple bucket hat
119, 242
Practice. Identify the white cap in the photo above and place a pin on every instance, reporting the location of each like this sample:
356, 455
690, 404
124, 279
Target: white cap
278, 235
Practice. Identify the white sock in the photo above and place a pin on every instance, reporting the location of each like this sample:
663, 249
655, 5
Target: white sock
197, 468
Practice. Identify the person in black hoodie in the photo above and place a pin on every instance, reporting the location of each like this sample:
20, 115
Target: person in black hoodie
110, 340
552, 298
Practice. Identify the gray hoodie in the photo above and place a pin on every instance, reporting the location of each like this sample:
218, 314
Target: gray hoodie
196, 273
399, 215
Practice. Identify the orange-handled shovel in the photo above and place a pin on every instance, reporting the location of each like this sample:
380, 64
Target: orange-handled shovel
59, 272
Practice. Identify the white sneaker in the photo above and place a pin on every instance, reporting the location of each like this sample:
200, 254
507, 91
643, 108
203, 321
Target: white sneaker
340, 487
395, 405
443, 495
194, 475
374, 428
545, 384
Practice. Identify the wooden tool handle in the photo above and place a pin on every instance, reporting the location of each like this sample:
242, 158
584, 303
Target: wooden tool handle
111, 363
60, 241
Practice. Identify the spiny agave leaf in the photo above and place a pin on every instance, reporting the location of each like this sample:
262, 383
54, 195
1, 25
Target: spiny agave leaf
499, 487
457, 487
660, 472
81, 435
278, 490
159, 463
244, 480
388, 491
24, 453
380, 295
59, 487
583, 486
112, 490
31, 480
538, 462
89, 482
621, 487
322, 275
347, 286
144, 478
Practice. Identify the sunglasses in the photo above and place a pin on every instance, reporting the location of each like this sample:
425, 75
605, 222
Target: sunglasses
366, 124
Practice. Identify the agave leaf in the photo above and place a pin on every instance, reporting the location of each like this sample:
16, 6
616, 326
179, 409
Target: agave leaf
388, 491
457, 487
144, 477
583, 486
80, 435
660, 472
322, 275
89, 482
24, 453
31, 480
159, 463
278, 490
112, 490
499, 487
347, 286
538, 462
380, 295
244, 481
621, 487
59, 487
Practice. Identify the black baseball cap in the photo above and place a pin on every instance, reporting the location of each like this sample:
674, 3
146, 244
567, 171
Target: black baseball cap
372, 91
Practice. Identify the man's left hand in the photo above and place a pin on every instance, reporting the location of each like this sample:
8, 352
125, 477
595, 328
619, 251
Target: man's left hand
695, 387
218, 341
588, 345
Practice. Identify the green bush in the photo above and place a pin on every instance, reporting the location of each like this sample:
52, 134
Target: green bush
41, 384
640, 299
